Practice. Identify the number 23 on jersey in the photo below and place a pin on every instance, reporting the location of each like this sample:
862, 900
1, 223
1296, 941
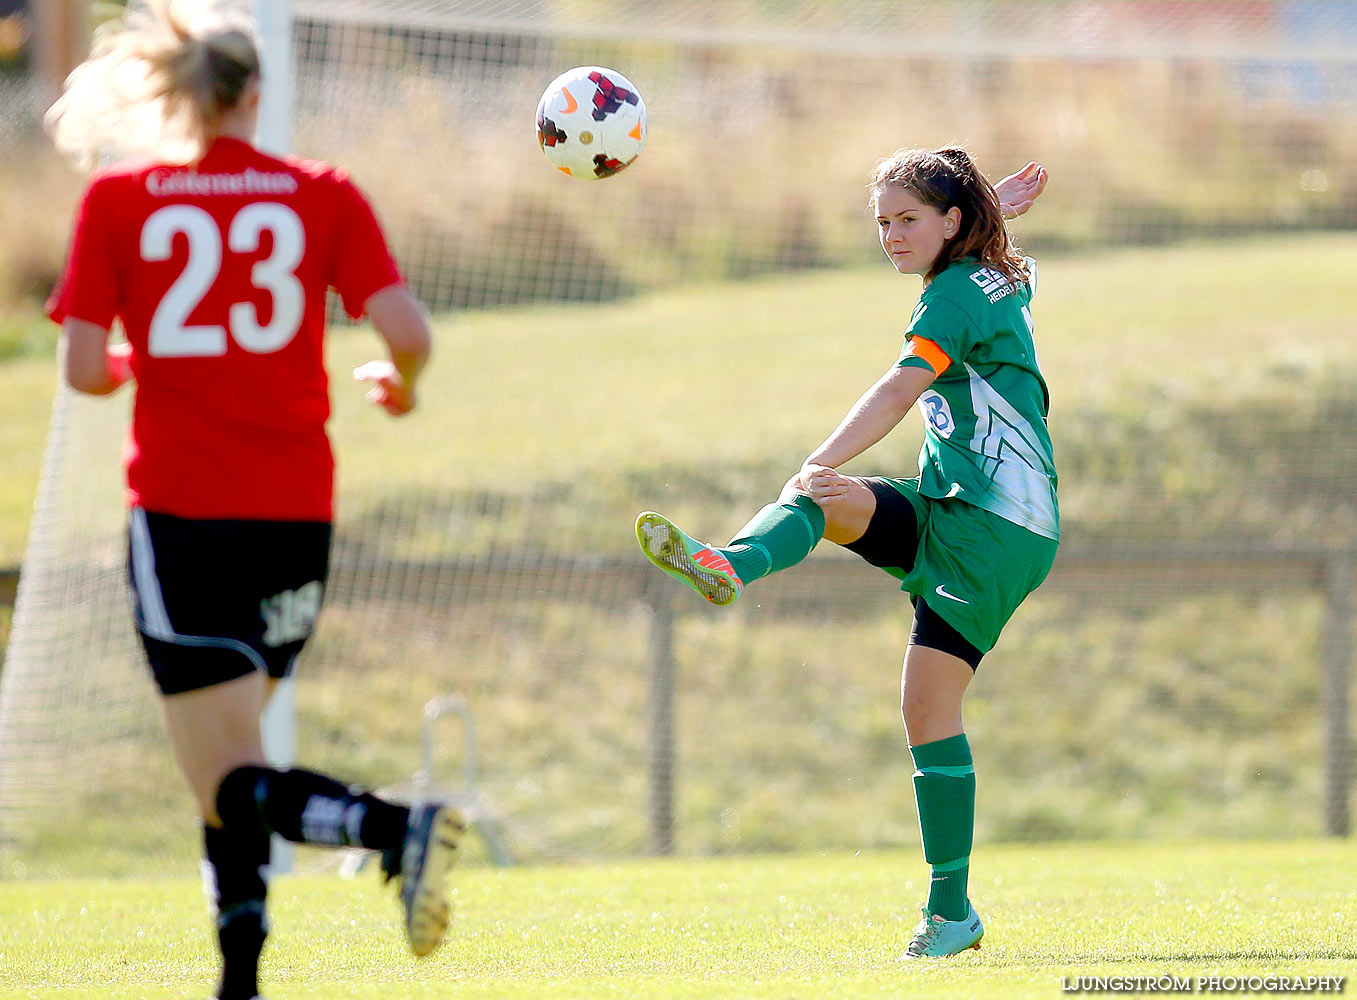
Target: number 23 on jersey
171, 335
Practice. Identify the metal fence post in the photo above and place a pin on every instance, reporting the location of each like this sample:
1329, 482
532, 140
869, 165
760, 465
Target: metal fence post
1337, 652
662, 686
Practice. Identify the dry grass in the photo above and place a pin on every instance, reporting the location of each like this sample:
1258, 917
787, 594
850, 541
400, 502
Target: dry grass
37, 194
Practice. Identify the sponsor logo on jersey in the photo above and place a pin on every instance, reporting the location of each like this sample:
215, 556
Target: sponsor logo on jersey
937, 413
995, 284
163, 183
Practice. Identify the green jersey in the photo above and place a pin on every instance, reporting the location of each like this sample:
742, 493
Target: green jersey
985, 439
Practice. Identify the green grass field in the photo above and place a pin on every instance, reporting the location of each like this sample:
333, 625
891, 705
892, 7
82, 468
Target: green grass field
807, 927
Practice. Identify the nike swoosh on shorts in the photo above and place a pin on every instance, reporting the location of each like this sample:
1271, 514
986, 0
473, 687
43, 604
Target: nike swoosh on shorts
943, 593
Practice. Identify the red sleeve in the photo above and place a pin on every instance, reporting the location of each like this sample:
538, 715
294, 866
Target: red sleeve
88, 286
362, 262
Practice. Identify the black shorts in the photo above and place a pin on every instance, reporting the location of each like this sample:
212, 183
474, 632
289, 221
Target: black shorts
892, 541
892, 536
218, 599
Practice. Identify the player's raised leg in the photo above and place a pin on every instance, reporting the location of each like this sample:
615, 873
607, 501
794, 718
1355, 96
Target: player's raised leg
705, 568
215, 729
777, 537
418, 844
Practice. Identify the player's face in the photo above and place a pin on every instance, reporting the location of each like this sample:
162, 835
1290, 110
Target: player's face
913, 233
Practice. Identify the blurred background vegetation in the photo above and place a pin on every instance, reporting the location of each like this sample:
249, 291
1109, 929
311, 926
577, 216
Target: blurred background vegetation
681, 335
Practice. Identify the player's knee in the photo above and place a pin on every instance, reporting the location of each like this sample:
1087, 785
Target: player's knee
928, 714
914, 709
792, 489
234, 797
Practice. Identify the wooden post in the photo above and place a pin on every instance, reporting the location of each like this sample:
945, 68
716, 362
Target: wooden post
1337, 653
60, 40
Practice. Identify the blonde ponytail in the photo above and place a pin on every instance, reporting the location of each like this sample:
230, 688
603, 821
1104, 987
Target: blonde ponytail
157, 81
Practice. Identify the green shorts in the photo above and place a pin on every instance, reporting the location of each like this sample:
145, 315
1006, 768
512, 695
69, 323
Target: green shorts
972, 567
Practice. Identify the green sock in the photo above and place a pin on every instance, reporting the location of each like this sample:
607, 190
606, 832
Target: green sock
778, 536
944, 790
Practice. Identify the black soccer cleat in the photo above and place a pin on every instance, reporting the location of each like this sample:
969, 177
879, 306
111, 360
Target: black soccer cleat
422, 863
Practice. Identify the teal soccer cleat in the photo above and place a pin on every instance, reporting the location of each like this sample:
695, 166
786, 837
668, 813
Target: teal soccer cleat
936, 937
698, 565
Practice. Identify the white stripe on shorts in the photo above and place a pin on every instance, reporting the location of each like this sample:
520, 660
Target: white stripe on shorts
154, 618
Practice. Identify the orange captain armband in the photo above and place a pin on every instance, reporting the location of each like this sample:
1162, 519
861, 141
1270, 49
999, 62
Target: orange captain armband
929, 353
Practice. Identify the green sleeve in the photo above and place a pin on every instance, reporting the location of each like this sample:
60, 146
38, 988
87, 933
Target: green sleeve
946, 324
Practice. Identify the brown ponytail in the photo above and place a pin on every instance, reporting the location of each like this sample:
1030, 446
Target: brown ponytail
156, 82
945, 178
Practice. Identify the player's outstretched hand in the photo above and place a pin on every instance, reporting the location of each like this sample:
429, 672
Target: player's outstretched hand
1018, 191
824, 485
389, 391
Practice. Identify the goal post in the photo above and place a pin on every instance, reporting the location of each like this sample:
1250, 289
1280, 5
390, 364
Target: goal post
273, 20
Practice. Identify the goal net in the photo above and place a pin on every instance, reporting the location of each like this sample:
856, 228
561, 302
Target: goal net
678, 337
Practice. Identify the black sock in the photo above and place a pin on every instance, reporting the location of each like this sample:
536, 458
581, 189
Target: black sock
309, 808
236, 859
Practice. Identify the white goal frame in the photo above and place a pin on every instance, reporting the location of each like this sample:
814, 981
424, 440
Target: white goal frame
274, 25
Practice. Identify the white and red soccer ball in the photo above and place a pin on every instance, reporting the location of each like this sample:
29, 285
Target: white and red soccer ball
591, 122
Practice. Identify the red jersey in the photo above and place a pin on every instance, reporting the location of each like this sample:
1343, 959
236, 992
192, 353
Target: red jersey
219, 274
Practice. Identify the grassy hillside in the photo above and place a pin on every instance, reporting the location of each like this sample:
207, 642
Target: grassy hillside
1202, 395
727, 386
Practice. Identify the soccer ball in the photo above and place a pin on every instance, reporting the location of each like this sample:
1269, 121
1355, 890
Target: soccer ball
591, 122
